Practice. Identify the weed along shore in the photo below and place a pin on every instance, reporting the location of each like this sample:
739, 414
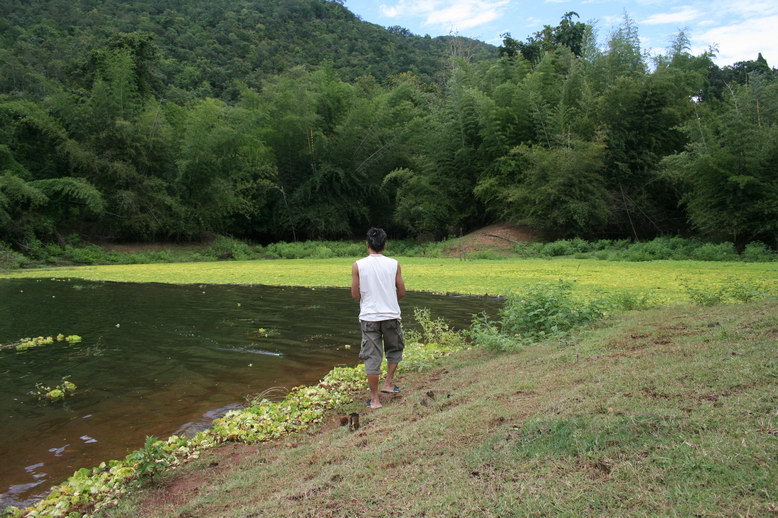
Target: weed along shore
567, 402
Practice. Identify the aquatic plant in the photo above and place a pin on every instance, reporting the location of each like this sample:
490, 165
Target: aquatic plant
30, 343
55, 393
39, 341
266, 333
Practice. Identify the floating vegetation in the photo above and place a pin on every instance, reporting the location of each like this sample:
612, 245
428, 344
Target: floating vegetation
39, 341
267, 333
55, 393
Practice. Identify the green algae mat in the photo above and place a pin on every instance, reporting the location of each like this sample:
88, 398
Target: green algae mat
664, 280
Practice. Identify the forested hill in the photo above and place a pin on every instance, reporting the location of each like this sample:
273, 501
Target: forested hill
293, 119
204, 46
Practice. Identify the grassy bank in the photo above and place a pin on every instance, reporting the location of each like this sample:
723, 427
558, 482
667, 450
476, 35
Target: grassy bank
662, 280
663, 412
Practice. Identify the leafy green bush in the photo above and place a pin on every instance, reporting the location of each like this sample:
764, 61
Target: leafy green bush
89, 254
559, 248
486, 333
433, 331
487, 254
758, 252
311, 249
547, 310
10, 260
224, 248
629, 301
151, 460
744, 291
528, 249
705, 295
715, 252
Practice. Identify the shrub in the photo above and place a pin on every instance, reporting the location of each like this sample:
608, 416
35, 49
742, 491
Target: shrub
434, 331
757, 252
89, 254
151, 460
528, 249
546, 310
10, 259
486, 333
744, 291
601, 244
35, 250
558, 248
634, 255
322, 252
657, 249
715, 252
703, 296
487, 254
224, 248
628, 301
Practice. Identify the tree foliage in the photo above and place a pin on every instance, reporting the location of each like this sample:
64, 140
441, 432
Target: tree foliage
295, 120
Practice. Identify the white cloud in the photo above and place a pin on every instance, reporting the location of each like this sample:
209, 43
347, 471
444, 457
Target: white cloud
456, 15
612, 20
741, 41
532, 21
678, 15
747, 8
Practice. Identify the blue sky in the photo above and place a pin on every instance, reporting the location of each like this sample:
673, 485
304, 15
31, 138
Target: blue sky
739, 28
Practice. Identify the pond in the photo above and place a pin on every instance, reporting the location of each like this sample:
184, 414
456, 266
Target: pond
159, 359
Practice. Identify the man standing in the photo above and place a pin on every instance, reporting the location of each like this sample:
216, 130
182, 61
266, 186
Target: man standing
376, 282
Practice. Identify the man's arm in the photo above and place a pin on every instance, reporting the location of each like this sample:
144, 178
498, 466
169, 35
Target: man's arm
355, 282
399, 283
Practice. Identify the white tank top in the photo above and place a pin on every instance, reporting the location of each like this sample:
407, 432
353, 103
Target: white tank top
378, 288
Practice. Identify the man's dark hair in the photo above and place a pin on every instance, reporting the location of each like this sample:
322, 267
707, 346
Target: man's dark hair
376, 239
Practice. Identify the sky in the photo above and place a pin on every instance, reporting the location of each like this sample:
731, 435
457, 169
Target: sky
739, 29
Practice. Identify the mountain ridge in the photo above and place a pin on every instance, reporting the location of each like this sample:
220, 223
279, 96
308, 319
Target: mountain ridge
205, 46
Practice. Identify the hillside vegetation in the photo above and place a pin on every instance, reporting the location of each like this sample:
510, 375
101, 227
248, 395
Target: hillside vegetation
199, 48
296, 120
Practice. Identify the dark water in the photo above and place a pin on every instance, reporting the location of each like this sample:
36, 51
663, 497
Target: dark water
159, 359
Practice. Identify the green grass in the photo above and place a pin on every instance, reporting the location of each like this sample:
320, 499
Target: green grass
667, 412
661, 279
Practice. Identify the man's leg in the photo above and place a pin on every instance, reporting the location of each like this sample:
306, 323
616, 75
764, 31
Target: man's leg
394, 343
372, 355
389, 383
372, 382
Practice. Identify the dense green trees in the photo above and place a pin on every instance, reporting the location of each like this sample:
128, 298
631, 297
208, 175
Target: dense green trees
172, 121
